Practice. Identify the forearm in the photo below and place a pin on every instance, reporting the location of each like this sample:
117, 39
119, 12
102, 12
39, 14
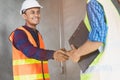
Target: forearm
88, 47
36, 53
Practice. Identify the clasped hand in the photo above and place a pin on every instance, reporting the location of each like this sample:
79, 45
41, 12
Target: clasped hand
60, 55
63, 55
73, 54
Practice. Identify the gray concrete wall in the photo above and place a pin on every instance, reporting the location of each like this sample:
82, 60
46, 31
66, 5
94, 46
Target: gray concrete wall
9, 20
59, 19
73, 13
50, 29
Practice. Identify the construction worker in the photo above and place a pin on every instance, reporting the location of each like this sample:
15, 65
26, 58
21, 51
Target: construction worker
30, 58
103, 20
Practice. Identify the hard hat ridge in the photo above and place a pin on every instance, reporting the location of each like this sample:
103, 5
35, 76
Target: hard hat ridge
29, 4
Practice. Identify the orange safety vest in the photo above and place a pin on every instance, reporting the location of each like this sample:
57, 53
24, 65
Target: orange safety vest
25, 68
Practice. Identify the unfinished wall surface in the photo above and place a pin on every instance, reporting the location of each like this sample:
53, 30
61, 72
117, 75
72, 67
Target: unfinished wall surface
50, 29
73, 13
9, 20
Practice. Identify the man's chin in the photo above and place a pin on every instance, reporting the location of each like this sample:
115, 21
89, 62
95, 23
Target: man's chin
36, 23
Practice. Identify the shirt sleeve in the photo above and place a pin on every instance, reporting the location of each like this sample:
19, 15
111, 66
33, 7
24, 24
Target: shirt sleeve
97, 21
22, 43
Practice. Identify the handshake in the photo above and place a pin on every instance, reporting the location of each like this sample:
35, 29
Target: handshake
62, 55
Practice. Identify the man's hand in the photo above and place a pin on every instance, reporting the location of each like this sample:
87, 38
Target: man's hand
60, 55
73, 54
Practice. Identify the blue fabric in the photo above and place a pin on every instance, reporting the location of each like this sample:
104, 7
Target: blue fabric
97, 21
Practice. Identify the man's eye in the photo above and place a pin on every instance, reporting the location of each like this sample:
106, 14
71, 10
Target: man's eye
32, 12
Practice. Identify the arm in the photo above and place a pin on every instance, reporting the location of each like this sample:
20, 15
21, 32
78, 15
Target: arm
22, 43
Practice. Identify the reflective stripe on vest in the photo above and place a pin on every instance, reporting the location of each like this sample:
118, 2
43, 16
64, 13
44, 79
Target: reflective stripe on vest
25, 68
32, 77
94, 75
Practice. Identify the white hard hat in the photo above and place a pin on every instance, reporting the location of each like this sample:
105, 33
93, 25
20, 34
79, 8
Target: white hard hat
29, 4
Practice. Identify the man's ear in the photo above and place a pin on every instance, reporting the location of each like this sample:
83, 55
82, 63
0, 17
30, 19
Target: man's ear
24, 16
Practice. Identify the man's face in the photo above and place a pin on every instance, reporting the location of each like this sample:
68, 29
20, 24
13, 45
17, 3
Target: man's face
32, 16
